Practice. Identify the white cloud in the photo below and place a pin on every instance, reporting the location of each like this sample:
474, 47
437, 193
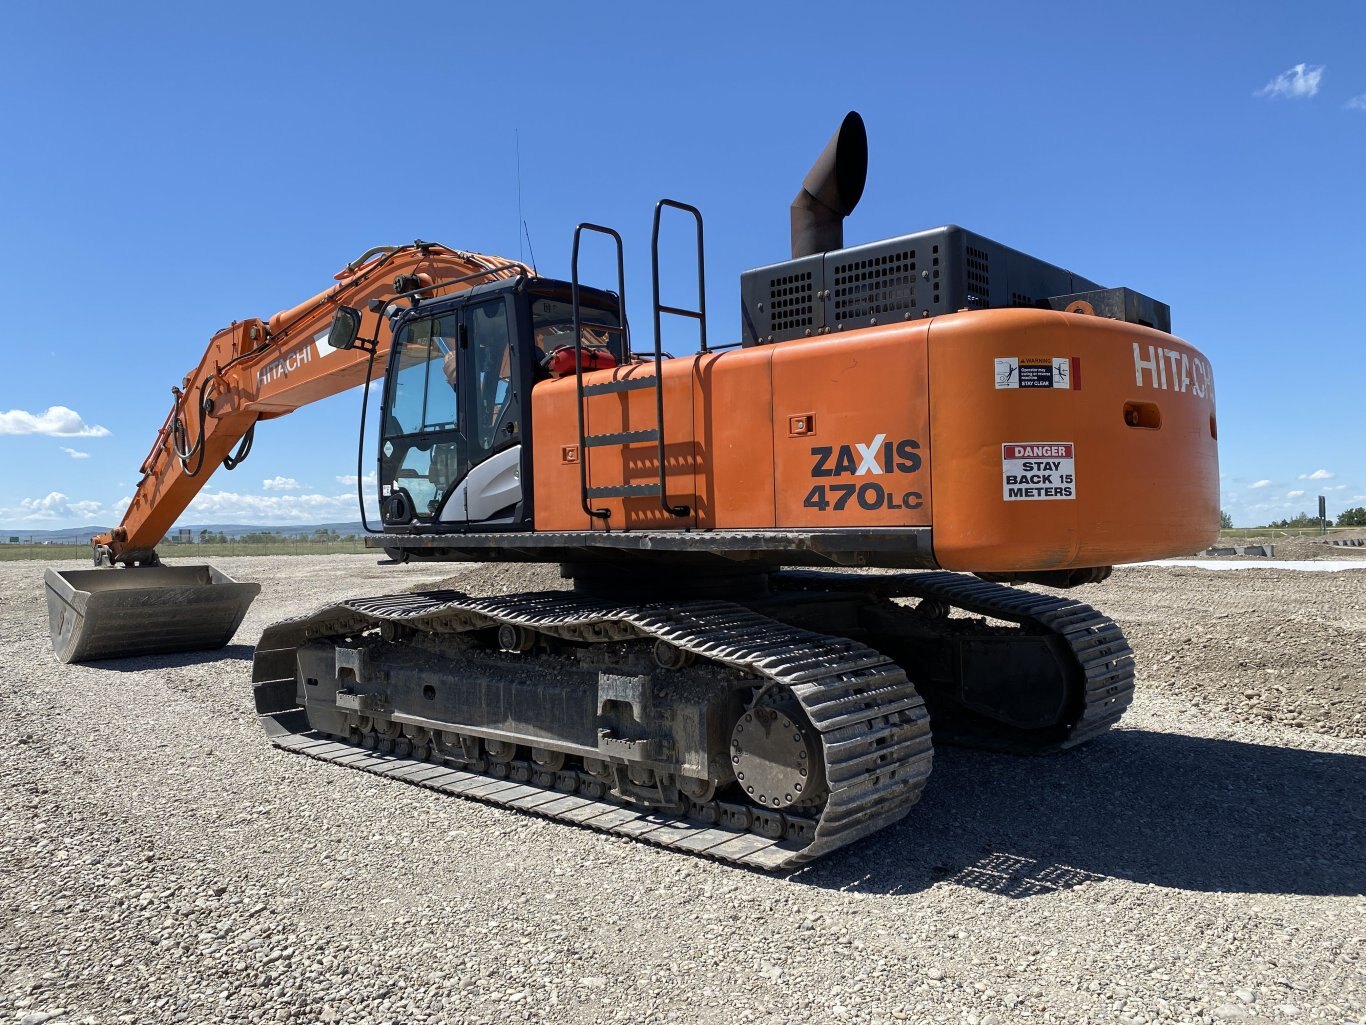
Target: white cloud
1298, 83
74, 454
281, 484
56, 421
227, 506
350, 478
1356, 102
1260, 484
1318, 475
52, 506
1336, 487
1294, 494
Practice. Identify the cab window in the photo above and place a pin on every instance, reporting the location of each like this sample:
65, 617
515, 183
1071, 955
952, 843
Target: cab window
552, 326
421, 397
491, 347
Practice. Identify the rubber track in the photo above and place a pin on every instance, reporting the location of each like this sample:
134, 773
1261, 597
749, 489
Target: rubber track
1104, 657
873, 726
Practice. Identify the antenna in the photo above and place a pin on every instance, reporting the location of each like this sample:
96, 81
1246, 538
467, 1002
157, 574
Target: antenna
529, 249
517, 143
521, 222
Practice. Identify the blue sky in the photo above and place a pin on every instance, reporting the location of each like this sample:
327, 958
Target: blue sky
170, 169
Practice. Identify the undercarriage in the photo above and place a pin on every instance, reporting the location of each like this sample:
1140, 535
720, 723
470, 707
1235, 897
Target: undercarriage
767, 728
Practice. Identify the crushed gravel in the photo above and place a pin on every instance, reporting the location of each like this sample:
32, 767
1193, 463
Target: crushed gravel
160, 862
1269, 645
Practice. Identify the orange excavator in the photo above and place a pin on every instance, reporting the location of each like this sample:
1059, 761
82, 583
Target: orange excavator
950, 414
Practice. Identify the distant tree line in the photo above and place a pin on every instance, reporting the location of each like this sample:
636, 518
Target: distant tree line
1350, 518
271, 537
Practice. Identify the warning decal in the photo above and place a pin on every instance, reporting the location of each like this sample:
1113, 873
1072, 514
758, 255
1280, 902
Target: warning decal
1035, 470
1038, 372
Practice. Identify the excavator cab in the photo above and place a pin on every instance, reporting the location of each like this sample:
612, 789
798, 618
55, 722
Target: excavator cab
455, 414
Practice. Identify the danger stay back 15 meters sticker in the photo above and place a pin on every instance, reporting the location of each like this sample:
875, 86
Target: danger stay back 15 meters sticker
1036, 470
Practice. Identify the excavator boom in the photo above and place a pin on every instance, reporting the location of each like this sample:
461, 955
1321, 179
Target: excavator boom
259, 369
252, 370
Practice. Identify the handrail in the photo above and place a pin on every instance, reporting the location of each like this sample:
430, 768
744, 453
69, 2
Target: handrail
494, 269
600, 514
699, 314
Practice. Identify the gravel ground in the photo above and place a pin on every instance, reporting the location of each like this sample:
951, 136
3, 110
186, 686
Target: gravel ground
159, 862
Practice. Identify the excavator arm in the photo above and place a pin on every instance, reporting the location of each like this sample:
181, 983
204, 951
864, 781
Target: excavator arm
252, 370
259, 369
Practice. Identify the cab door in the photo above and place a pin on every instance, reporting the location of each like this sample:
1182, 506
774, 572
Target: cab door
492, 369
422, 448
451, 451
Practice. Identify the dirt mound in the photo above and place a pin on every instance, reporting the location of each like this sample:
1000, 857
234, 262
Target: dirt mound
1306, 549
487, 579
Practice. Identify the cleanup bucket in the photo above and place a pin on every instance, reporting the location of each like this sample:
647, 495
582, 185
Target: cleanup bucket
145, 610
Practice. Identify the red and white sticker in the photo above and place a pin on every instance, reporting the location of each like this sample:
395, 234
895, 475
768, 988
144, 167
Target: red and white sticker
1033, 471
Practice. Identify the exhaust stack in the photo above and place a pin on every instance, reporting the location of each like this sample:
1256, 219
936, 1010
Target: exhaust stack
831, 190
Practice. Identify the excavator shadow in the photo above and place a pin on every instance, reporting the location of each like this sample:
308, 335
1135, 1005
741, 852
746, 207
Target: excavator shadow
177, 660
1191, 813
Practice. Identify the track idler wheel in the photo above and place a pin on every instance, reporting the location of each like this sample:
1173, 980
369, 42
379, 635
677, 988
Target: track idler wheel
776, 757
501, 755
699, 791
388, 737
547, 760
515, 638
667, 656
545, 766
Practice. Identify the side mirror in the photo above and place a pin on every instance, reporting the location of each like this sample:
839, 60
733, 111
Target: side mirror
345, 328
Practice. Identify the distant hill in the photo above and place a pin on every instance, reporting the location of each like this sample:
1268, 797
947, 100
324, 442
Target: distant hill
81, 535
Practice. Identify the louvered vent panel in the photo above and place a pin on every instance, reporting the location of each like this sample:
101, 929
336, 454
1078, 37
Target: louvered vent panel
978, 278
873, 287
790, 301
